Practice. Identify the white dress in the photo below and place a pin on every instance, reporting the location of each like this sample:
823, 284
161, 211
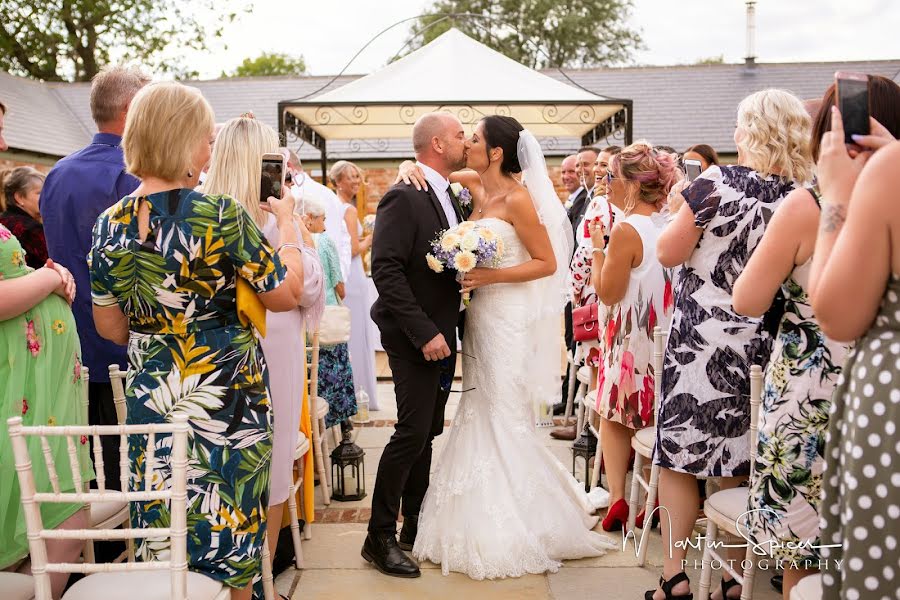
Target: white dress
499, 503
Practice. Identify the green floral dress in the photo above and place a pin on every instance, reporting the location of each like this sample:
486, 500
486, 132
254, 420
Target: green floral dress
40, 381
785, 489
188, 354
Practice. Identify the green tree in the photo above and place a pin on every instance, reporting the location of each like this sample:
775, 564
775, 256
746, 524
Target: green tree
711, 60
539, 33
269, 64
59, 40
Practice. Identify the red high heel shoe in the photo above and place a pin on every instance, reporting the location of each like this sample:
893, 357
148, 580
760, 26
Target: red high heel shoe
639, 520
616, 516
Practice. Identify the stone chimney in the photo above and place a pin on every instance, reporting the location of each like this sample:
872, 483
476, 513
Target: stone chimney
750, 58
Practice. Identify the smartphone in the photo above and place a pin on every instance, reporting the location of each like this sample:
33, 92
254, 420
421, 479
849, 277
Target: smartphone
272, 180
692, 169
853, 102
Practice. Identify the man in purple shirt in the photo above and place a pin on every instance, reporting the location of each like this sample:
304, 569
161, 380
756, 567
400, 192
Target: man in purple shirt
79, 188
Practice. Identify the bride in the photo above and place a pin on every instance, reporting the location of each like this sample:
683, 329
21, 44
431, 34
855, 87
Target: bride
499, 503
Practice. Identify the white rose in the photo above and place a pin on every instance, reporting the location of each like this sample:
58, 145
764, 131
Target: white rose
470, 241
456, 188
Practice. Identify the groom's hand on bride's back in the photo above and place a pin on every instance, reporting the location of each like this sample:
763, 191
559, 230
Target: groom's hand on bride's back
436, 349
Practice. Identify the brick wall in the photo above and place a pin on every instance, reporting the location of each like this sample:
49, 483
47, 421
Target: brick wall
11, 164
379, 180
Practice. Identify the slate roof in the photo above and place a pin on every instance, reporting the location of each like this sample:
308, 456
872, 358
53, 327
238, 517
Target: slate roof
677, 106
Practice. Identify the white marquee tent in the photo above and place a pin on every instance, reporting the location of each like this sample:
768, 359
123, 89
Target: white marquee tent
457, 74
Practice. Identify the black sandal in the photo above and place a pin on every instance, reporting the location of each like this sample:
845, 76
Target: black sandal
727, 585
667, 586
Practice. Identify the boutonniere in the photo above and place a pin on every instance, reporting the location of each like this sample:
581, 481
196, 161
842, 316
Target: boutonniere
463, 195
568, 205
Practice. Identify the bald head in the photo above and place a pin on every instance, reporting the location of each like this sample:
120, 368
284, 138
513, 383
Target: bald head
439, 142
569, 174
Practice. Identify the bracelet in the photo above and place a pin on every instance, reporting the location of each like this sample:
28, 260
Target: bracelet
289, 245
598, 250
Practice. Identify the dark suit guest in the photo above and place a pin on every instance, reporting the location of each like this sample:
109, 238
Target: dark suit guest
21, 188
416, 312
77, 190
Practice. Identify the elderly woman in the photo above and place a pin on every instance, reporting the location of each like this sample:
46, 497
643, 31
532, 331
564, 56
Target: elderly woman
165, 264
21, 189
40, 371
235, 170
704, 414
335, 371
346, 178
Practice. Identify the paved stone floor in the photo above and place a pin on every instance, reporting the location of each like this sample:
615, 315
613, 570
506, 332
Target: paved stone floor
335, 570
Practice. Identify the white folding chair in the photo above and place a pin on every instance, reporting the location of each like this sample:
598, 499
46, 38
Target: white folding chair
808, 588
642, 443
573, 358
583, 377
134, 580
297, 472
318, 408
725, 508
106, 515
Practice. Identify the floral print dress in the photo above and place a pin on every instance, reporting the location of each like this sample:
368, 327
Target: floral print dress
40, 381
704, 415
785, 489
188, 354
625, 381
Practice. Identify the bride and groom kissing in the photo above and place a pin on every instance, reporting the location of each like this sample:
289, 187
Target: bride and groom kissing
498, 504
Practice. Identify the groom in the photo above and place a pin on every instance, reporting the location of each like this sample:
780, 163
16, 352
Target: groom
416, 312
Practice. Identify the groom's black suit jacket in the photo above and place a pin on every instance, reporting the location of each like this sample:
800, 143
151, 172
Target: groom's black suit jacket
414, 303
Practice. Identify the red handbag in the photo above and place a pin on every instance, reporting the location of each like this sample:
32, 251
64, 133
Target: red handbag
586, 323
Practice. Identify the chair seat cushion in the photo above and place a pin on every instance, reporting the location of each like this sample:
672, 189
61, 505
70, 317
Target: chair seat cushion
302, 446
140, 585
643, 441
321, 408
727, 506
809, 588
16, 586
103, 511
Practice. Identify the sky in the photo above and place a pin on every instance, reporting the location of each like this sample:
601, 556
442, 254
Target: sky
327, 33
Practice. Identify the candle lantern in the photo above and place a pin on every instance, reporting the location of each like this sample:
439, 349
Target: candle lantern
583, 450
348, 470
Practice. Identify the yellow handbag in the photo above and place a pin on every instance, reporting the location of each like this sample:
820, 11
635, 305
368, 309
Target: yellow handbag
250, 308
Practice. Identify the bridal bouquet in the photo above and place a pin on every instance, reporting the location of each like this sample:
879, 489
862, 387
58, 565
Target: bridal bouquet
464, 247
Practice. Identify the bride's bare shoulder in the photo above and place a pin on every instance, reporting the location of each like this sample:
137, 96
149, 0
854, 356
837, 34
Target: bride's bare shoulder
519, 204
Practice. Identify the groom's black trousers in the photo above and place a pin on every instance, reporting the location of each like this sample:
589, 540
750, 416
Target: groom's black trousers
405, 465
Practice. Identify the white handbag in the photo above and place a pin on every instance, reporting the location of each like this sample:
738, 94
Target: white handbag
335, 325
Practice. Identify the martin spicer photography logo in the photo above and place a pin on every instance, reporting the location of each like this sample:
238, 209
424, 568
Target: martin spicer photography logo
767, 550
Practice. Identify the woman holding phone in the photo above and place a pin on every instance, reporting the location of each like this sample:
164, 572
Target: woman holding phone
235, 170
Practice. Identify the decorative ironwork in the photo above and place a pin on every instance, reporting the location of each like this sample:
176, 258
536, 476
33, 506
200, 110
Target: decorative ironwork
375, 145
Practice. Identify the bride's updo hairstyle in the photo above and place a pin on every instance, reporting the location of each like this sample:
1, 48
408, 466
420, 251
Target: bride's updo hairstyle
653, 169
503, 132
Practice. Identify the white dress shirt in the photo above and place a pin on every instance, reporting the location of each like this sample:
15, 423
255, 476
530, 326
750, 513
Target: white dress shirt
441, 187
335, 225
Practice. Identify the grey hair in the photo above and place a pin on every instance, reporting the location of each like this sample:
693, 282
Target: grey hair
291, 156
112, 90
339, 168
313, 207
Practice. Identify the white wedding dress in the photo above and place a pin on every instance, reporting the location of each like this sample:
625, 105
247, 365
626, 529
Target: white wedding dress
499, 503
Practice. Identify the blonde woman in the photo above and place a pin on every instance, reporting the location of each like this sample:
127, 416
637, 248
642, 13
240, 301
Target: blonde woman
347, 178
704, 416
235, 169
164, 268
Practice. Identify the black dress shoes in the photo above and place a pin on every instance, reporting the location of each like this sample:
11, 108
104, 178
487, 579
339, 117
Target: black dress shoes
382, 551
408, 533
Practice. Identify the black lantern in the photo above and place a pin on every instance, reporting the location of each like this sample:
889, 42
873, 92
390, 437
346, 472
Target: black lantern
348, 470
583, 450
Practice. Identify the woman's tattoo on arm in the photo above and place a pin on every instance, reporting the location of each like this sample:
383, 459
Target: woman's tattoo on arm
833, 217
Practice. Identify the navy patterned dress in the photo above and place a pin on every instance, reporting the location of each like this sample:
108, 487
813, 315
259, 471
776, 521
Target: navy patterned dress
189, 354
704, 416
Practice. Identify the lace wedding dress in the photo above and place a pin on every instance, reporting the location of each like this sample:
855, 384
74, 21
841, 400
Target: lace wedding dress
499, 503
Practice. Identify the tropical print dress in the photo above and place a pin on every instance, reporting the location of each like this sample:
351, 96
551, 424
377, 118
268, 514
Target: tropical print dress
189, 354
40, 381
335, 371
704, 415
785, 489
625, 381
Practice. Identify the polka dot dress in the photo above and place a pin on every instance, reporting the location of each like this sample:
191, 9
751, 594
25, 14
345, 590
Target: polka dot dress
861, 488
